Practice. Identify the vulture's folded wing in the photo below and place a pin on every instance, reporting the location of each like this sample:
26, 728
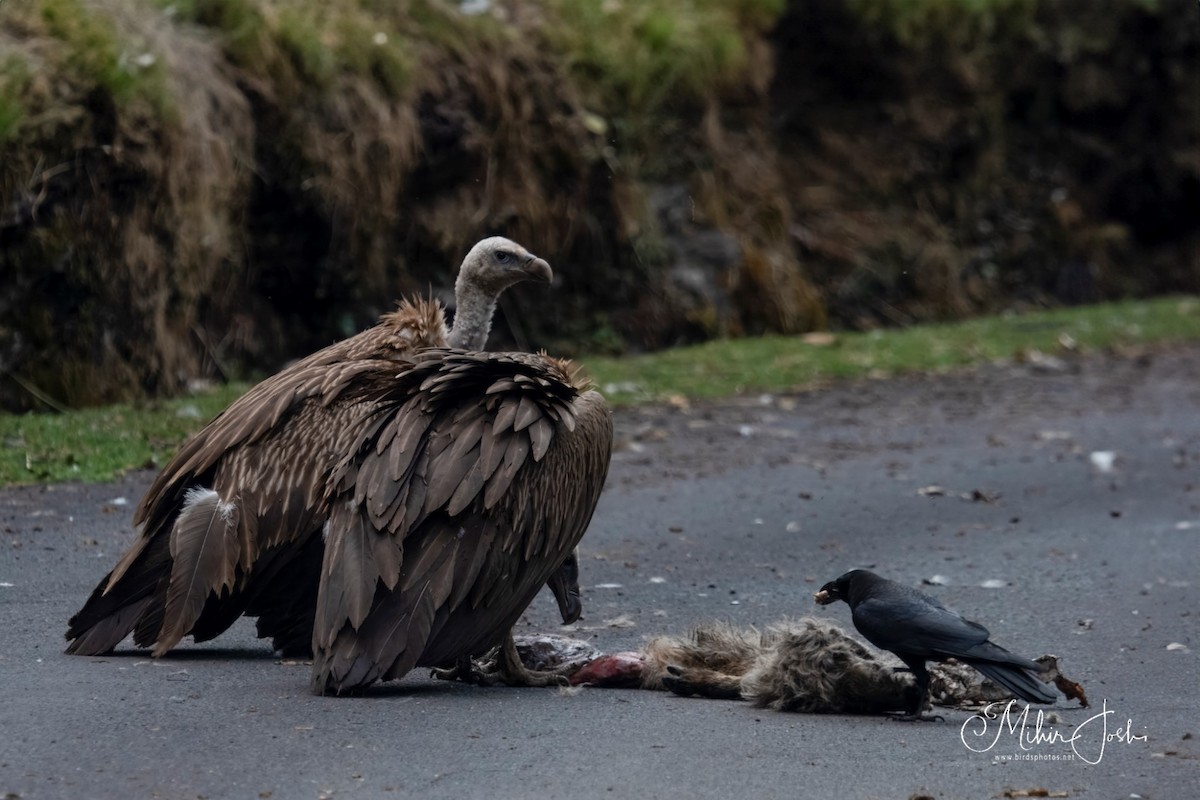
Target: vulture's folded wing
243, 497
472, 485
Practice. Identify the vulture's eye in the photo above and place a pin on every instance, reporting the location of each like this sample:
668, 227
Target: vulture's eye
503, 256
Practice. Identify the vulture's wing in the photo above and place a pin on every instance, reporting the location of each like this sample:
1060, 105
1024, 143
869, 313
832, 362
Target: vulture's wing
475, 481
277, 402
204, 514
231, 513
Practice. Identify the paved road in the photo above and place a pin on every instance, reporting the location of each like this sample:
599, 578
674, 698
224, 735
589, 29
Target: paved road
736, 510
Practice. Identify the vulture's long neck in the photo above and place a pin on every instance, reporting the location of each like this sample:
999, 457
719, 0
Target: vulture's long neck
472, 316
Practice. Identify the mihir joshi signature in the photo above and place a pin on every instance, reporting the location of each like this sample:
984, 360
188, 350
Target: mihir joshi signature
981, 732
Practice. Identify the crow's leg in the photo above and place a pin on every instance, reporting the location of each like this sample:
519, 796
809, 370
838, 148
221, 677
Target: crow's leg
916, 709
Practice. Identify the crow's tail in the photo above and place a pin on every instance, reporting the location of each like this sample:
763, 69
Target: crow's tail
1020, 681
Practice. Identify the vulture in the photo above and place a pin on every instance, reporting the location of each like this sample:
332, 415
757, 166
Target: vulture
237, 521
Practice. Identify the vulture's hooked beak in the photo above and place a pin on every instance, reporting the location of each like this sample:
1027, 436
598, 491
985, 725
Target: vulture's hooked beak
570, 605
536, 269
564, 583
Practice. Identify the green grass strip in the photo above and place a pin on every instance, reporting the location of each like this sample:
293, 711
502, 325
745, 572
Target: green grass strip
777, 363
101, 444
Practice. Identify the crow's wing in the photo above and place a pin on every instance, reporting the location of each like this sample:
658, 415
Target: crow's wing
915, 626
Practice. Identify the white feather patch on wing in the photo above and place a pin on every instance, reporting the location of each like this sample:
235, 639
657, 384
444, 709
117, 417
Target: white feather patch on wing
199, 496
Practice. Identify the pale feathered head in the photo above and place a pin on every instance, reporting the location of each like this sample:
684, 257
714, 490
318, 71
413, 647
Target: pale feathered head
491, 267
496, 263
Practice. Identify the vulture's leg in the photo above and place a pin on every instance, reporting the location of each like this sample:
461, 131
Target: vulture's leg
512, 671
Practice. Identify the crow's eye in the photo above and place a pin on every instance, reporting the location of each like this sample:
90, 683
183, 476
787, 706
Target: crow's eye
503, 256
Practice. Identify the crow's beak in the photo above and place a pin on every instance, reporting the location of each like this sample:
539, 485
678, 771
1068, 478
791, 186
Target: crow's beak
536, 269
824, 597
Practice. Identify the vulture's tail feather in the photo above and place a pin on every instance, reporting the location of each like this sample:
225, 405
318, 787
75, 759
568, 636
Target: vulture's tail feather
107, 634
285, 601
115, 608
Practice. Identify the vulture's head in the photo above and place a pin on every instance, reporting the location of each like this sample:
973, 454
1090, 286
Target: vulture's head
496, 263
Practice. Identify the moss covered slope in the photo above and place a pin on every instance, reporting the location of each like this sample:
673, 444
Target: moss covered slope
197, 188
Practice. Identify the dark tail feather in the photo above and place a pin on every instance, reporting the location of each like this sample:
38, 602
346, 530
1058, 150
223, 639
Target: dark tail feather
150, 625
108, 617
219, 612
1021, 682
106, 634
281, 592
286, 603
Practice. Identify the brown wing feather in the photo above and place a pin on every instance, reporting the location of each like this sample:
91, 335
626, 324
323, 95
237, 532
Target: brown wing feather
357, 558
468, 488
517, 447
392, 637
467, 535
529, 411
270, 454
541, 432
205, 549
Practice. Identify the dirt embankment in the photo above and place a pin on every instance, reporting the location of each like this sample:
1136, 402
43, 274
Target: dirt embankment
200, 189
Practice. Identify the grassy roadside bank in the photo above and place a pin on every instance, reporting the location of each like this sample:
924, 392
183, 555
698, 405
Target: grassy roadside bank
171, 171
102, 443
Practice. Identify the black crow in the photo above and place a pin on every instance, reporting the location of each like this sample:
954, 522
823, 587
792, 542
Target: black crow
918, 628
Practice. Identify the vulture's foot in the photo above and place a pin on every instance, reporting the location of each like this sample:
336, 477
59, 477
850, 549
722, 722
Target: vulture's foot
513, 672
502, 665
468, 670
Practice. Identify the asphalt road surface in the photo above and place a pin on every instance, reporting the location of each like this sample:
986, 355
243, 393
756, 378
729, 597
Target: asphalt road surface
1060, 507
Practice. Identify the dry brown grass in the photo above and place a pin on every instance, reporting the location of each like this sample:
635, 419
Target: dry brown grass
127, 178
219, 185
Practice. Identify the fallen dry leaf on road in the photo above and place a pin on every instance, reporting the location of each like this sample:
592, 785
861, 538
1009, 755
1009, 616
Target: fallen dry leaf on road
1071, 689
679, 402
